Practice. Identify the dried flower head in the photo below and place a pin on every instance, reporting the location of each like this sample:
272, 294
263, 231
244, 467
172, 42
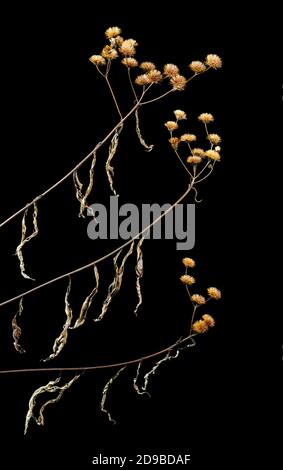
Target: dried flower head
200, 326
197, 67
198, 299
188, 137
180, 114
188, 280
128, 47
97, 60
198, 152
119, 40
142, 79
214, 293
155, 76
178, 82
147, 66
109, 53
112, 32
130, 62
194, 159
170, 70
214, 138
209, 320
188, 262
218, 148
213, 155
174, 141
206, 118
171, 125
213, 61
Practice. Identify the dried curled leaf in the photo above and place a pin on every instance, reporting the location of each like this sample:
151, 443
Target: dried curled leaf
61, 341
82, 197
51, 387
87, 302
115, 286
139, 273
112, 150
104, 394
24, 239
17, 331
139, 134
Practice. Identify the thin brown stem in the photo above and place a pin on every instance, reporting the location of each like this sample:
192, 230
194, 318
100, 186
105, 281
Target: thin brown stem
113, 96
158, 97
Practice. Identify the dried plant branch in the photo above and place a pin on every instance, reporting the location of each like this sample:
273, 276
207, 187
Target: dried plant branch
112, 150
105, 392
61, 341
139, 273
25, 239
139, 134
17, 331
116, 284
87, 302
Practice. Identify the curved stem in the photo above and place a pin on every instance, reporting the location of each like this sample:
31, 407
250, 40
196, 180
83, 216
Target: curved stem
102, 366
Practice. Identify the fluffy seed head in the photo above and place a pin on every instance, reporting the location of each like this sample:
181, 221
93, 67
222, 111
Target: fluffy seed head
197, 67
188, 280
109, 53
213, 155
200, 326
174, 141
198, 299
155, 76
194, 159
218, 148
206, 118
128, 47
188, 262
180, 114
142, 79
198, 152
188, 137
213, 61
130, 62
214, 138
171, 125
209, 320
97, 60
214, 293
178, 82
147, 66
112, 32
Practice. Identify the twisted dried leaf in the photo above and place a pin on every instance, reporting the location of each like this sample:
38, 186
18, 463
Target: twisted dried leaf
135, 382
139, 134
87, 302
61, 341
17, 331
139, 273
116, 284
24, 239
112, 150
82, 197
104, 394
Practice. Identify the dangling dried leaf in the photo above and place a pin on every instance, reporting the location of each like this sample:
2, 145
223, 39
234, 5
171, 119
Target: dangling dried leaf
112, 150
104, 394
51, 387
87, 302
25, 239
61, 341
139, 134
82, 198
135, 382
115, 286
139, 273
17, 331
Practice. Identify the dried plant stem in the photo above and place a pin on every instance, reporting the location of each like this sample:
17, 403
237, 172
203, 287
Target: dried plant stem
113, 96
87, 302
17, 331
25, 239
104, 394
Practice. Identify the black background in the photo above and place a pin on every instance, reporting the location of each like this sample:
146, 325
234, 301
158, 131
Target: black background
55, 108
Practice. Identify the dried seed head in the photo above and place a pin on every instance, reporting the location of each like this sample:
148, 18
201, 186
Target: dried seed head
155, 76
171, 125
213, 61
174, 141
188, 262
188, 280
119, 40
197, 67
109, 53
200, 326
170, 70
180, 114
194, 159
206, 118
130, 62
188, 137
97, 60
198, 152
214, 293
128, 47
214, 138
218, 148
213, 155
198, 299
178, 82
142, 79
147, 66
209, 320
112, 32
